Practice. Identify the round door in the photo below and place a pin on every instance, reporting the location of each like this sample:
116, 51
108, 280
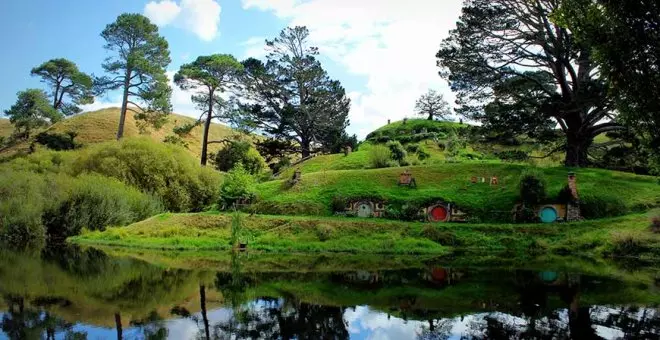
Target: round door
364, 210
439, 214
548, 215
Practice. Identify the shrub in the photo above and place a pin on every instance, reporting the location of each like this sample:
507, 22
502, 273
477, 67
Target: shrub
455, 144
22, 201
629, 244
239, 152
338, 204
58, 141
398, 153
512, 155
324, 232
383, 139
445, 238
404, 212
423, 155
94, 202
238, 185
601, 206
527, 215
412, 148
532, 188
167, 171
379, 157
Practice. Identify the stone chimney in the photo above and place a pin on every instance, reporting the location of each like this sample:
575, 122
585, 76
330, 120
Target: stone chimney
573, 186
573, 207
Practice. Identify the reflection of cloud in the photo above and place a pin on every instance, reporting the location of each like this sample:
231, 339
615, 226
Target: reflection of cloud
375, 325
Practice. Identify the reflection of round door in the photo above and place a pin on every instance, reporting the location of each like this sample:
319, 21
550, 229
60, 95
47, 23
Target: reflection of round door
548, 214
439, 214
364, 210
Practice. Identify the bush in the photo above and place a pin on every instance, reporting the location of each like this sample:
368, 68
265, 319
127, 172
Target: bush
455, 144
338, 204
22, 202
239, 152
379, 157
601, 206
167, 171
58, 141
404, 212
238, 185
398, 153
324, 232
532, 188
412, 148
629, 244
423, 155
512, 155
94, 202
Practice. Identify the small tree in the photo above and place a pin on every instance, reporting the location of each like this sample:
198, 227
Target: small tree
237, 185
397, 151
138, 69
32, 110
433, 105
211, 75
239, 152
64, 79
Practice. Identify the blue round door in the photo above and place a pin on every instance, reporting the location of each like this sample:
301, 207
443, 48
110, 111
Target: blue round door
548, 215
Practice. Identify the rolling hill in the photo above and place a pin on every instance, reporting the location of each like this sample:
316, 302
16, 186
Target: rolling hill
100, 126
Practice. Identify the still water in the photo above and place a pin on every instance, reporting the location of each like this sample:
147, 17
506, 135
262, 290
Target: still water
71, 293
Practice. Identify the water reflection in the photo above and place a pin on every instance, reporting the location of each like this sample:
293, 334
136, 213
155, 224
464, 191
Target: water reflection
86, 294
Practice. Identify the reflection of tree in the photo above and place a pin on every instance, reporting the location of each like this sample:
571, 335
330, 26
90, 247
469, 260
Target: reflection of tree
285, 319
152, 327
437, 330
23, 322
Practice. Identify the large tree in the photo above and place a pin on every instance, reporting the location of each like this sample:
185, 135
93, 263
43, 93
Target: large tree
65, 80
433, 105
32, 110
137, 68
295, 98
209, 76
513, 68
625, 38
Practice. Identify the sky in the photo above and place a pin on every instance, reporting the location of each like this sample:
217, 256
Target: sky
382, 51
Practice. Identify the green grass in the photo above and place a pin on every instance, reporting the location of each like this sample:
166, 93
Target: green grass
273, 234
417, 124
451, 183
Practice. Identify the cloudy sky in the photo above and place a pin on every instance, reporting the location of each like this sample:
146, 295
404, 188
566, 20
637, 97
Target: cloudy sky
383, 51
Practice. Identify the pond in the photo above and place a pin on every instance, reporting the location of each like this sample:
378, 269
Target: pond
72, 293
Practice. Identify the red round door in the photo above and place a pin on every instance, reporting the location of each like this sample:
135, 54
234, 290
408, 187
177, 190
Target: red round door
439, 214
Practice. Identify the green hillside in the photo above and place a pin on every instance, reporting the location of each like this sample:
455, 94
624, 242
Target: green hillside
101, 126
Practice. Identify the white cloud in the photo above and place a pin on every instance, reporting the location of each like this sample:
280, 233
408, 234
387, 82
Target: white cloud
391, 43
200, 17
255, 47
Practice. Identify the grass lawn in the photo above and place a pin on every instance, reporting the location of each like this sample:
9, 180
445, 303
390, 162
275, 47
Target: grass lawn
623, 236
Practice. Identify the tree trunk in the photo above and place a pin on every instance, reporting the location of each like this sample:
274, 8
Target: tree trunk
202, 302
576, 149
124, 103
118, 326
304, 145
430, 116
207, 126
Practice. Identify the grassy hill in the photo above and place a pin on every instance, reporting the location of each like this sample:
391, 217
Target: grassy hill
100, 126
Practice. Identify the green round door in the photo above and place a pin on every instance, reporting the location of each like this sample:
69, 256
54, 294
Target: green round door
548, 215
364, 210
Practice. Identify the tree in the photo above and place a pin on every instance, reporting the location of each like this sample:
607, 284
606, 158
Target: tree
32, 110
625, 39
64, 79
295, 98
138, 69
508, 55
213, 75
432, 104
239, 152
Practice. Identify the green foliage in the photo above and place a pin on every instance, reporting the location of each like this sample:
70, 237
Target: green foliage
512, 155
601, 206
65, 80
22, 202
338, 204
95, 202
445, 238
239, 152
31, 111
398, 153
324, 232
138, 68
455, 143
379, 157
404, 211
57, 141
532, 187
238, 185
166, 171
236, 228
423, 155
412, 148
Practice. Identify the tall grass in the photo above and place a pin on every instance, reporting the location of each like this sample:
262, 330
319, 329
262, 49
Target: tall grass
380, 157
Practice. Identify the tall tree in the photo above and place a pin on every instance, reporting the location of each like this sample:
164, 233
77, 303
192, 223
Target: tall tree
209, 76
32, 110
296, 99
433, 105
503, 50
625, 38
138, 68
64, 79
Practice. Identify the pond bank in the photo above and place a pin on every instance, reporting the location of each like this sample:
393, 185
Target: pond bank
627, 236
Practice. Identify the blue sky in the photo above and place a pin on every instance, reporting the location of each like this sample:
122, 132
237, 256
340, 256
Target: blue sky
381, 50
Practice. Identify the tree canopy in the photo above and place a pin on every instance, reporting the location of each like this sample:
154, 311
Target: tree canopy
433, 105
64, 79
291, 96
516, 70
32, 110
209, 76
138, 68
